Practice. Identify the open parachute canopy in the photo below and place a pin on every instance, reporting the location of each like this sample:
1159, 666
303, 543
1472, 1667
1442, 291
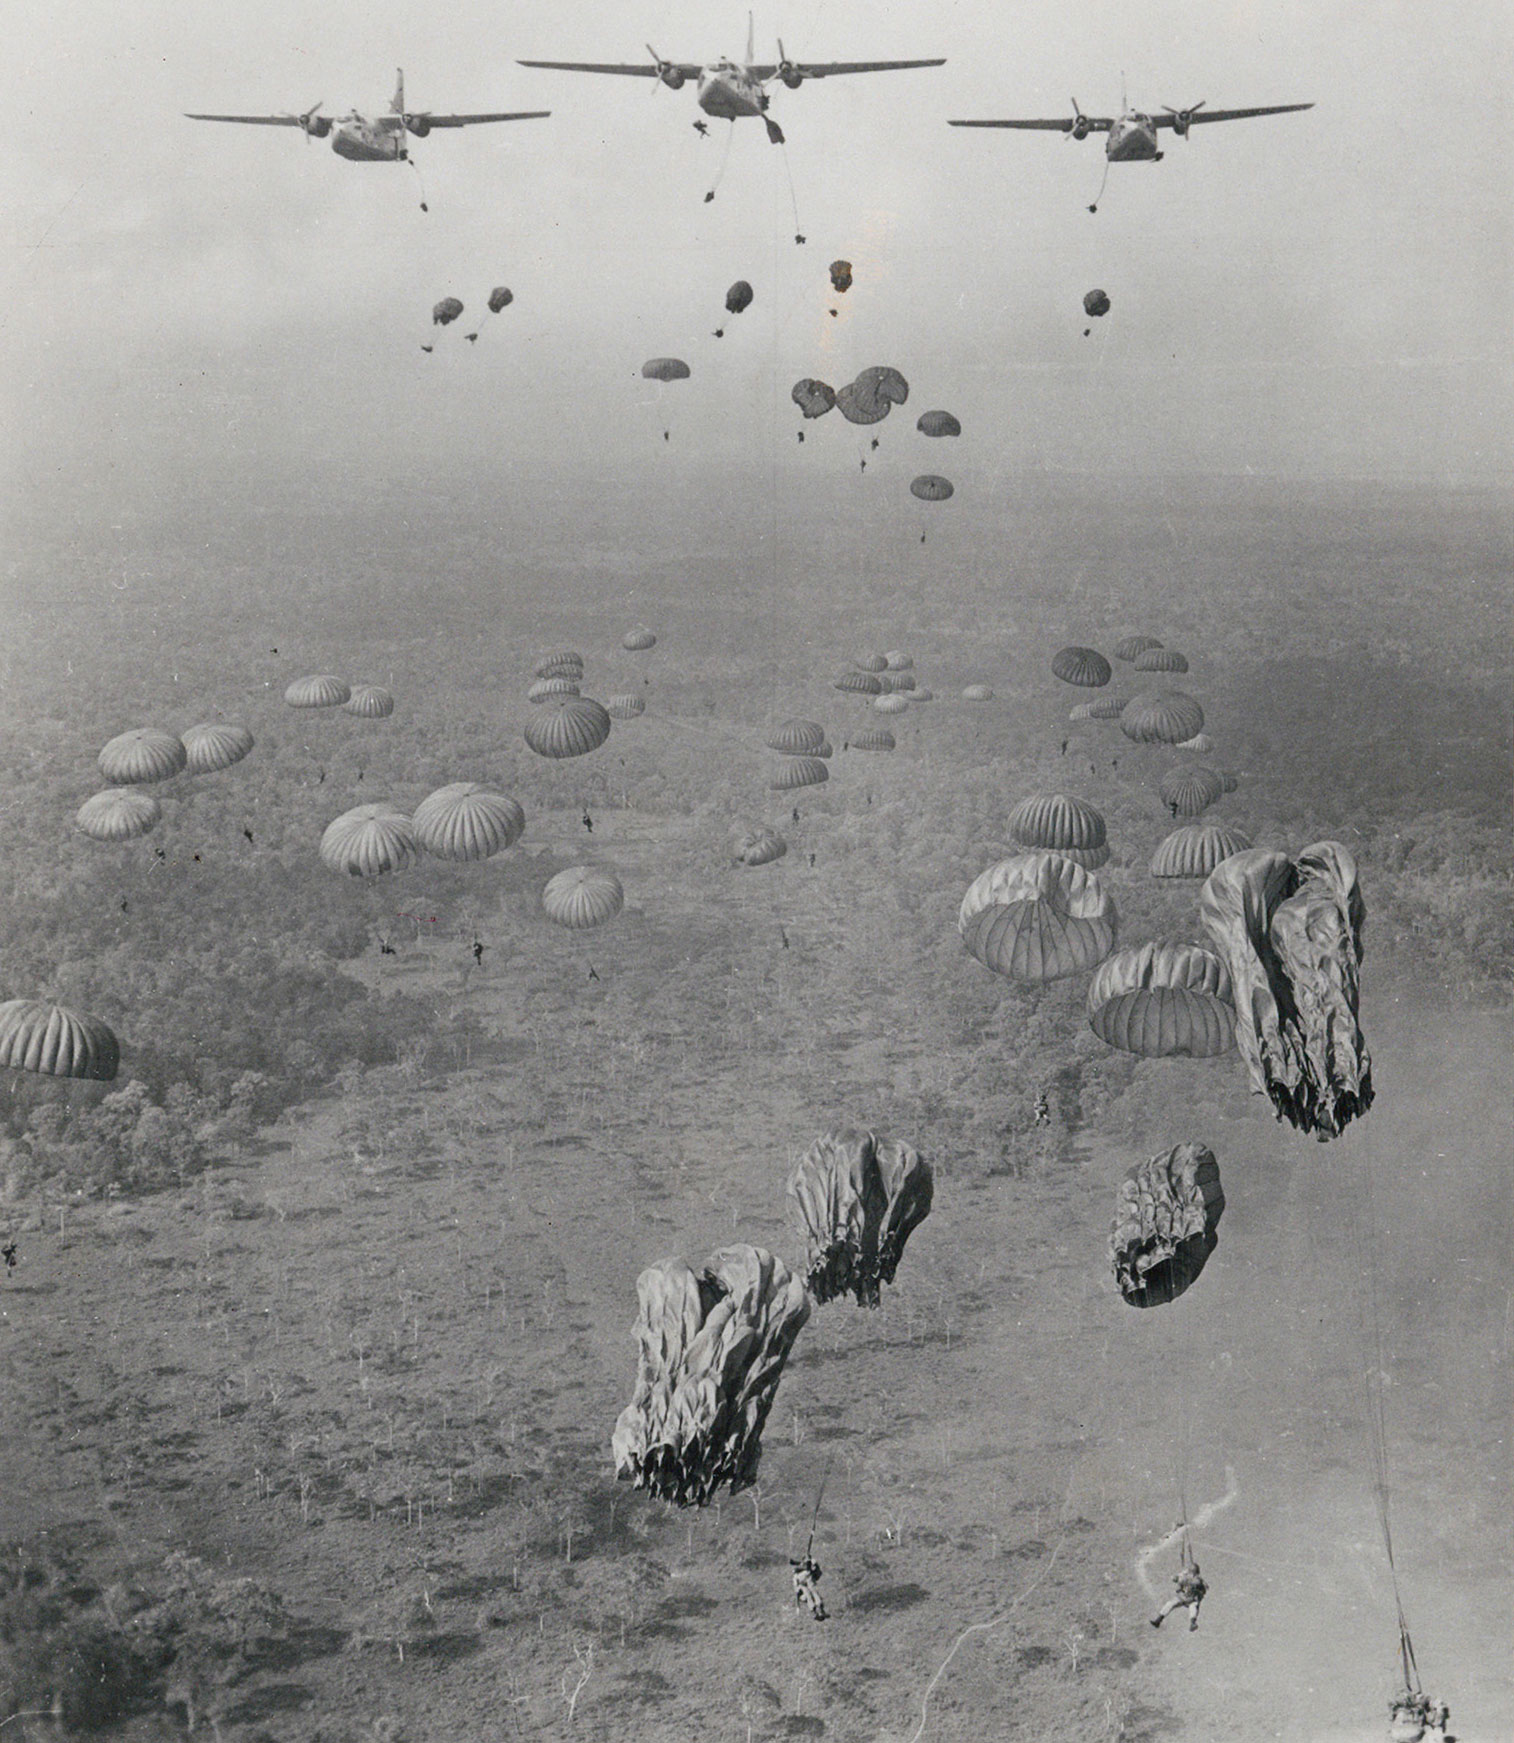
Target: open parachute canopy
146, 753
807, 771
1164, 1225
36, 1036
1290, 932
369, 840
568, 726
638, 641
1083, 666
1196, 849
1190, 789
1160, 660
324, 690
859, 1196
1037, 917
1163, 1000
841, 275
1133, 646
209, 749
932, 487
797, 738
712, 1345
738, 297
1161, 717
370, 702
465, 821
937, 424
118, 814
446, 311
500, 297
814, 398
1096, 303
1057, 823
873, 395
665, 369
582, 897
756, 844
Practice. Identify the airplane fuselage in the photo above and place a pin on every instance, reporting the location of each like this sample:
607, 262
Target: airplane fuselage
1133, 139
360, 140
728, 92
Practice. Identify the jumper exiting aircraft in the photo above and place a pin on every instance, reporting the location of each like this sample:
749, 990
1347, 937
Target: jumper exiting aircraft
728, 90
1132, 135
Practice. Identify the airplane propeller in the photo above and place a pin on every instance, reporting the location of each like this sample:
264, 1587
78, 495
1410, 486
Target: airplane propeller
1079, 128
786, 70
313, 124
1182, 119
667, 72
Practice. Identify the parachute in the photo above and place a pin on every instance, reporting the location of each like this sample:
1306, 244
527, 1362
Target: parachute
637, 641
882, 383
571, 727
369, 840
208, 749
323, 691
738, 297
873, 738
858, 407
931, 487
1196, 849
1084, 666
977, 693
561, 663
146, 753
797, 738
1096, 303
118, 814
859, 1197
500, 297
1160, 660
1063, 825
1105, 708
809, 771
891, 703
1190, 789
1199, 744
544, 689
872, 663
897, 661
665, 369
583, 896
1290, 931
1163, 1000
892, 680
937, 424
370, 702
625, 707
1161, 717
58, 1042
841, 276
1164, 1228
712, 1345
813, 397
1134, 646
860, 683
757, 845
465, 821
1037, 917
446, 311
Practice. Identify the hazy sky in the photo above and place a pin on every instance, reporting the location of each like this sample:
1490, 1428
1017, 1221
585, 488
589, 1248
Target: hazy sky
1327, 293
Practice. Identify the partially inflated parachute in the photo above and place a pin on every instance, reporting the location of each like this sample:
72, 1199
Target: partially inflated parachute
712, 1348
859, 1197
1290, 931
1037, 917
1163, 1000
446, 311
1164, 1226
814, 398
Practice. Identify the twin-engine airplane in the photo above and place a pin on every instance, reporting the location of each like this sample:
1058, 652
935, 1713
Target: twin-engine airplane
729, 90
1133, 136
377, 138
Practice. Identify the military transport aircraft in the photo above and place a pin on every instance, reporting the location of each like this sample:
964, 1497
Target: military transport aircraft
1132, 134
377, 138
728, 90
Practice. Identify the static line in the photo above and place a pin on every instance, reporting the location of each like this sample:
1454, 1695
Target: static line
1197, 1523
974, 1628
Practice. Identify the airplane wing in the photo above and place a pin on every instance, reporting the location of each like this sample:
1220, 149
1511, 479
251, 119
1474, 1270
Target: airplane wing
250, 120
633, 70
1094, 124
475, 120
1199, 115
829, 69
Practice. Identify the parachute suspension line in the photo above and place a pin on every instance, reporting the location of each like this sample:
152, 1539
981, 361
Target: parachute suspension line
419, 182
783, 152
1363, 1218
1103, 183
724, 159
1185, 1434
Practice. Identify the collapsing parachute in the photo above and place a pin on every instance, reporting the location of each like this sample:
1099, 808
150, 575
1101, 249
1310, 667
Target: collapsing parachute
841, 275
712, 1349
814, 398
1164, 1227
1290, 931
859, 1197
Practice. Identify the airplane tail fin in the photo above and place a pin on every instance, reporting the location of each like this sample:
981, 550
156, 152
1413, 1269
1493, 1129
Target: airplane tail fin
751, 43
397, 106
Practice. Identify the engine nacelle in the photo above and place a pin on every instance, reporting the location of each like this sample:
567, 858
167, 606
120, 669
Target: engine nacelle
672, 77
1182, 120
1080, 127
419, 125
791, 75
317, 126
